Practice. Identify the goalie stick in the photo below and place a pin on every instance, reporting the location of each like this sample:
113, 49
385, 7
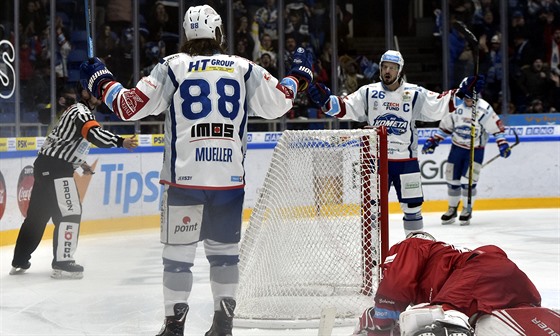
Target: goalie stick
498, 155
473, 43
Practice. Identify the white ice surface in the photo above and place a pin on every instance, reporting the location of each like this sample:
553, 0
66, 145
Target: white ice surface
121, 292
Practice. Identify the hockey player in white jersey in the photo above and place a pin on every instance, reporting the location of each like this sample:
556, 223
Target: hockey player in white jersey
207, 97
397, 105
458, 125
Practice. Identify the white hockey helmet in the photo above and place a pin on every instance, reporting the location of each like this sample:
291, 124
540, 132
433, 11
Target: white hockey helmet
201, 22
394, 57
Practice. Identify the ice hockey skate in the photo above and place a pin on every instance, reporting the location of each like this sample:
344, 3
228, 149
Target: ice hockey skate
20, 269
465, 216
67, 270
174, 325
222, 324
450, 216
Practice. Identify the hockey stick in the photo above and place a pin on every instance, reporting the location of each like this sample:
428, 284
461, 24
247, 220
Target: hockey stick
473, 43
87, 12
498, 155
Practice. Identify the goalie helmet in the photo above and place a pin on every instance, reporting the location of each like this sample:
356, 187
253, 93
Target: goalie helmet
394, 57
202, 22
421, 235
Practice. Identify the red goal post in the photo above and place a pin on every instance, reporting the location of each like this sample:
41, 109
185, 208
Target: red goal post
318, 231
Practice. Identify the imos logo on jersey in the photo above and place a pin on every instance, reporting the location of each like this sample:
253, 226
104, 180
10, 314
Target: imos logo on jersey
3, 195
206, 130
24, 188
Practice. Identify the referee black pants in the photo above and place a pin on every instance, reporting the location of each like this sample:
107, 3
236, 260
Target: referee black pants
55, 196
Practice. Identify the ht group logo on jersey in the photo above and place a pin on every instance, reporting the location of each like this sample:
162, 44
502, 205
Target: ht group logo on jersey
211, 65
24, 188
3, 195
394, 124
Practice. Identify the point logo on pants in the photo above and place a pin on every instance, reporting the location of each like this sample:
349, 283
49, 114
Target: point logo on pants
24, 188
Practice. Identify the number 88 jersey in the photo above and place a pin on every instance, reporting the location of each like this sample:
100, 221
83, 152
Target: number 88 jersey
206, 101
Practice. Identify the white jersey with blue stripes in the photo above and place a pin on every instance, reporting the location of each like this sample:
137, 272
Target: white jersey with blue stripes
206, 101
397, 110
458, 124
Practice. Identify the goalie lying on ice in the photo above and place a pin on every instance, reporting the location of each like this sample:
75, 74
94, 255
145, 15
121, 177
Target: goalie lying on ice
451, 290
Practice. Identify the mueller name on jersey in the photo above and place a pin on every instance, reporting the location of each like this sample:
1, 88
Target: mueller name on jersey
214, 154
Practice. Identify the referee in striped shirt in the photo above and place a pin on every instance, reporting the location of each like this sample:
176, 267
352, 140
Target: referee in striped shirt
54, 194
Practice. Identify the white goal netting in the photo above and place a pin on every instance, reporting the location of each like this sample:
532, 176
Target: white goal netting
314, 237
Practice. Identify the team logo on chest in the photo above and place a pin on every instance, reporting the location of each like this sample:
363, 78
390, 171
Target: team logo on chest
394, 124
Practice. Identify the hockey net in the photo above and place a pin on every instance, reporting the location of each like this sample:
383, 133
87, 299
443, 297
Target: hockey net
317, 232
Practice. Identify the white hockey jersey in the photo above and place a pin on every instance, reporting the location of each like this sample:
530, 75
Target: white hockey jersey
397, 110
458, 124
206, 101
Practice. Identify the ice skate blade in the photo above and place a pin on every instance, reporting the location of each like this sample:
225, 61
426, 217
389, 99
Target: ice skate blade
60, 274
465, 223
17, 270
447, 222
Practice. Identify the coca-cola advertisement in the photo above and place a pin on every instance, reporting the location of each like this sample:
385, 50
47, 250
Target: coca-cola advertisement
24, 187
3, 195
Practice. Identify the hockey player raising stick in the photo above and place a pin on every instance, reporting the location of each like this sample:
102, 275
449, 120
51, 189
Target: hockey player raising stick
397, 105
458, 125
207, 97
460, 289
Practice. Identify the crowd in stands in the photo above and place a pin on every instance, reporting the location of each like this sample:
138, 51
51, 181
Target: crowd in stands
533, 47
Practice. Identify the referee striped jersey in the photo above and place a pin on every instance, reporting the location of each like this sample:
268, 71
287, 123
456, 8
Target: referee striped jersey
76, 128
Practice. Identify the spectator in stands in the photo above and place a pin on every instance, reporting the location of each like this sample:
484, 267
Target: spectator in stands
262, 44
326, 60
243, 34
536, 106
290, 46
241, 50
63, 50
535, 82
239, 9
517, 25
491, 63
266, 62
107, 44
320, 74
553, 50
297, 24
318, 24
118, 15
267, 19
159, 23
487, 27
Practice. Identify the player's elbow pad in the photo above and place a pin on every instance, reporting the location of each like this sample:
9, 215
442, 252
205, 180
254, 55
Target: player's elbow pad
334, 107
